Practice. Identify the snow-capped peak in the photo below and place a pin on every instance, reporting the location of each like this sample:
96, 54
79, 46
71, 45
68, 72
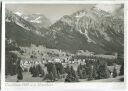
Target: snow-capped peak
37, 20
18, 13
81, 14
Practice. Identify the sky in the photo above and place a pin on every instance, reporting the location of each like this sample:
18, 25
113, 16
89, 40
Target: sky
56, 11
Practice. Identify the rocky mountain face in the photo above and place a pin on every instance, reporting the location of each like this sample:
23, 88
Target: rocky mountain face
11, 17
21, 31
93, 29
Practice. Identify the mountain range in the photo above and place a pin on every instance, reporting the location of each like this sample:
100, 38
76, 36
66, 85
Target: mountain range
92, 29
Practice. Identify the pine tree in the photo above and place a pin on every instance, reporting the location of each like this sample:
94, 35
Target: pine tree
103, 71
54, 72
67, 69
90, 74
71, 77
122, 69
79, 72
114, 72
84, 74
95, 74
61, 69
73, 72
50, 76
68, 78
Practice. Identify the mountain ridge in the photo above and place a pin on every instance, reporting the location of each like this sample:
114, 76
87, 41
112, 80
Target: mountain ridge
94, 30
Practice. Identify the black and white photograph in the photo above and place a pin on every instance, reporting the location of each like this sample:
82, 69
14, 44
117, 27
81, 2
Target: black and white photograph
68, 43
